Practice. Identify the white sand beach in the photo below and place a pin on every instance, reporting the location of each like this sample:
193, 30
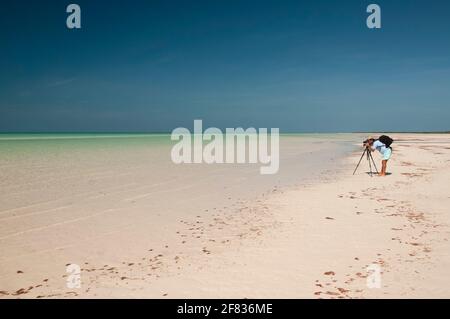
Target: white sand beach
140, 226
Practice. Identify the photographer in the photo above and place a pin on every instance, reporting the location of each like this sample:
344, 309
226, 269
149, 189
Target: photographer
383, 145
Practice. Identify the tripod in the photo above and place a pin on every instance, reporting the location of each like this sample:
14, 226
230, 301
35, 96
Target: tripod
368, 154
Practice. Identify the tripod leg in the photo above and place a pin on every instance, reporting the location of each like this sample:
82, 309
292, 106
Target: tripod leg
374, 165
359, 161
370, 164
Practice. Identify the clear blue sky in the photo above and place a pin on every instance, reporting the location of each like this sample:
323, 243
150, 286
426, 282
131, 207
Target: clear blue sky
302, 66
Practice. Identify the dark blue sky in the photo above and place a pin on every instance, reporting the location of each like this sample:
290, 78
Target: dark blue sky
303, 66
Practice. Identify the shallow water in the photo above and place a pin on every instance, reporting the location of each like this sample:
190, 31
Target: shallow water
37, 168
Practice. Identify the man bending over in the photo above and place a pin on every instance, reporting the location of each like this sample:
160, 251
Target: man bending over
383, 145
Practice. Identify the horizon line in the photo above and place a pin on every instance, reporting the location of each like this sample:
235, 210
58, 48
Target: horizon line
168, 133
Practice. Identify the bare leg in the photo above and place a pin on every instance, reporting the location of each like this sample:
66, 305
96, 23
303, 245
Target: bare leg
383, 167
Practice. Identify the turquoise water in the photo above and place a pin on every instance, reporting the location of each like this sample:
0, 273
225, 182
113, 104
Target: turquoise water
51, 136
23, 145
75, 169
62, 142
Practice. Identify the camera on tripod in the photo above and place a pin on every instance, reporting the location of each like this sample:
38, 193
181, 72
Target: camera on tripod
368, 153
366, 142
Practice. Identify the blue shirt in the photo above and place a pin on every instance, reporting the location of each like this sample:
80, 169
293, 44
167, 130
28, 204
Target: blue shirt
381, 147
